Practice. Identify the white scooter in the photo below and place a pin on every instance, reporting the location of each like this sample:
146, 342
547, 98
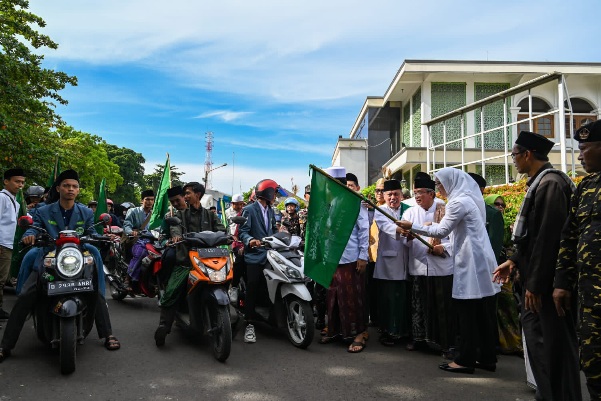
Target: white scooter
289, 304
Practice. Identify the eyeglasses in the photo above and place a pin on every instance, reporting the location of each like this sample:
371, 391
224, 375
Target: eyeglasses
379, 191
513, 155
500, 204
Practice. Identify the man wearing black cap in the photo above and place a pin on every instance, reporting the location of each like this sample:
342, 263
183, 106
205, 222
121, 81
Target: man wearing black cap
579, 262
432, 307
550, 339
66, 214
14, 180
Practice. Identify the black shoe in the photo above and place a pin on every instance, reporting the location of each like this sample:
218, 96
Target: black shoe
491, 367
462, 369
4, 353
160, 334
4, 315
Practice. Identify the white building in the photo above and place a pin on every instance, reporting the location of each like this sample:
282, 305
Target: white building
469, 113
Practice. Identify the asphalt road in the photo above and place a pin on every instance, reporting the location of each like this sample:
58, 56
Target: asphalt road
271, 369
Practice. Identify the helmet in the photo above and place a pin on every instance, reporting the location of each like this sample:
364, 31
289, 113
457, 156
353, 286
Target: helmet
266, 190
108, 201
34, 190
292, 201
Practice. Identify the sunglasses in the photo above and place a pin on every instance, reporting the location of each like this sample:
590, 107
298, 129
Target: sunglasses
500, 204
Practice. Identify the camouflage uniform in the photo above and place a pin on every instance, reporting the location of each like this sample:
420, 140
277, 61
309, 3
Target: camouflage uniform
302, 219
292, 224
579, 266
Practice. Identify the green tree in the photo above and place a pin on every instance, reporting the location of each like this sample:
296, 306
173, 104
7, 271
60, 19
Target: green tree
28, 92
152, 181
131, 169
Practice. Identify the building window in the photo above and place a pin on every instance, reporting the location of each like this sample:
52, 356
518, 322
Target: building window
446, 97
493, 115
416, 118
582, 114
541, 125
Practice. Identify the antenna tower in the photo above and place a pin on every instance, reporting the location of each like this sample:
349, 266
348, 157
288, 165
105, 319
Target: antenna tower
208, 160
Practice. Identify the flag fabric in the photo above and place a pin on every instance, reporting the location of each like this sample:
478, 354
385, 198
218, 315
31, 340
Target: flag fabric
333, 212
223, 216
161, 203
15, 262
56, 170
101, 207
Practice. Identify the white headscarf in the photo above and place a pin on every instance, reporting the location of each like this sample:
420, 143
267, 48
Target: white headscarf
458, 184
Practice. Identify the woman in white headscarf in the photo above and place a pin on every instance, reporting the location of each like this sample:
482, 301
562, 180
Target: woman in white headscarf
474, 262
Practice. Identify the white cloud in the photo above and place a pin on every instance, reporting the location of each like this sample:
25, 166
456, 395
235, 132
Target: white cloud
225, 115
241, 178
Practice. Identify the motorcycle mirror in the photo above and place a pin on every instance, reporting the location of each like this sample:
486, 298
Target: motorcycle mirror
173, 221
238, 220
105, 218
25, 221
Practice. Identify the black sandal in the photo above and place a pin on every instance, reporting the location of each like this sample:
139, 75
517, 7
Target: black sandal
111, 343
330, 339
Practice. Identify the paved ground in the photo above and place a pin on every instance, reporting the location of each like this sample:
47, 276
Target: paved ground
271, 369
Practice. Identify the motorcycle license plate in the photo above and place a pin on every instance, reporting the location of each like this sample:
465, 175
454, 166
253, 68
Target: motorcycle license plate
213, 252
70, 286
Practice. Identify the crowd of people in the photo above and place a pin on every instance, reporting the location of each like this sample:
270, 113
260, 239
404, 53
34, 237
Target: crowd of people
436, 272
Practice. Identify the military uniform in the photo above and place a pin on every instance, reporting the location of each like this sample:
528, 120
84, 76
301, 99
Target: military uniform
579, 266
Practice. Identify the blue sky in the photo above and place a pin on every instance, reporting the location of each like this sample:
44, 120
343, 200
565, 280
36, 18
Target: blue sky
275, 81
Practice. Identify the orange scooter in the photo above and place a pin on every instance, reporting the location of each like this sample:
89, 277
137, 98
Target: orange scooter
206, 309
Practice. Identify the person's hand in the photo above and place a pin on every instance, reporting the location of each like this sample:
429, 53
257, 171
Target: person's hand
361, 265
502, 272
177, 238
437, 250
29, 240
404, 224
562, 299
241, 251
532, 302
134, 233
253, 243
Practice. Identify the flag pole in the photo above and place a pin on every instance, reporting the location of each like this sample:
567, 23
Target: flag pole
364, 199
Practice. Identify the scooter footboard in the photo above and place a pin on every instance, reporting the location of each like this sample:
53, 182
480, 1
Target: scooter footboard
297, 289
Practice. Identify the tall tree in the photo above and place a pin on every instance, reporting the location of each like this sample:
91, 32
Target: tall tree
28, 92
131, 168
153, 180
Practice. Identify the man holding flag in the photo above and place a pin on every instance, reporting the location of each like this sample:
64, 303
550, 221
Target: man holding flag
14, 180
336, 254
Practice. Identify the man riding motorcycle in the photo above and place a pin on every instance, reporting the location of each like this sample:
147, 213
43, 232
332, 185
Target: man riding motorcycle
194, 219
291, 220
55, 217
260, 223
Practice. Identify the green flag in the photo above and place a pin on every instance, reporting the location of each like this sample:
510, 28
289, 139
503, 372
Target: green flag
15, 262
56, 170
161, 203
101, 207
333, 212
223, 216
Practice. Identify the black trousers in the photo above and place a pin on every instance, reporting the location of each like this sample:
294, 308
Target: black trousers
553, 351
239, 267
27, 300
477, 326
256, 287
167, 264
372, 294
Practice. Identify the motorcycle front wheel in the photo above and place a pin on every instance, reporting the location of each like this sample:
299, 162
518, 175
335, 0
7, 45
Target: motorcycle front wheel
300, 326
68, 344
222, 335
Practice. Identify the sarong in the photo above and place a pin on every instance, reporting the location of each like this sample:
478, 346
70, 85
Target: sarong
346, 302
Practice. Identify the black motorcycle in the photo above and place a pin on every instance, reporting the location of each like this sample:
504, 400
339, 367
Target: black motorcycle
64, 311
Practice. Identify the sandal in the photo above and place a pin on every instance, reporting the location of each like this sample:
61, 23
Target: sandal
111, 343
354, 344
324, 332
331, 339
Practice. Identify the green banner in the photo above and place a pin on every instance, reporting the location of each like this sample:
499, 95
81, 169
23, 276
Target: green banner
333, 212
101, 207
161, 203
15, 262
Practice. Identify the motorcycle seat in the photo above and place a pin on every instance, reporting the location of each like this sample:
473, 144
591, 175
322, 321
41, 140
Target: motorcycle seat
207, 239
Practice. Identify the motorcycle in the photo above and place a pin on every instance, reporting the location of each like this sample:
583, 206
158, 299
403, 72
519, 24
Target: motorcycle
64, 312
116, 268
206, 309
289, 303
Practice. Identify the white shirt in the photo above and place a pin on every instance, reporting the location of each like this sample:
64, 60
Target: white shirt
229, 213
356, 248
9, 209
265, 214
391, 262
473, 257
422, 263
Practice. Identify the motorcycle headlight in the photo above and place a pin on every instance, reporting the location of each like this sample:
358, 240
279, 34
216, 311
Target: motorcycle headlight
217, 275
69, 262
292, 273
